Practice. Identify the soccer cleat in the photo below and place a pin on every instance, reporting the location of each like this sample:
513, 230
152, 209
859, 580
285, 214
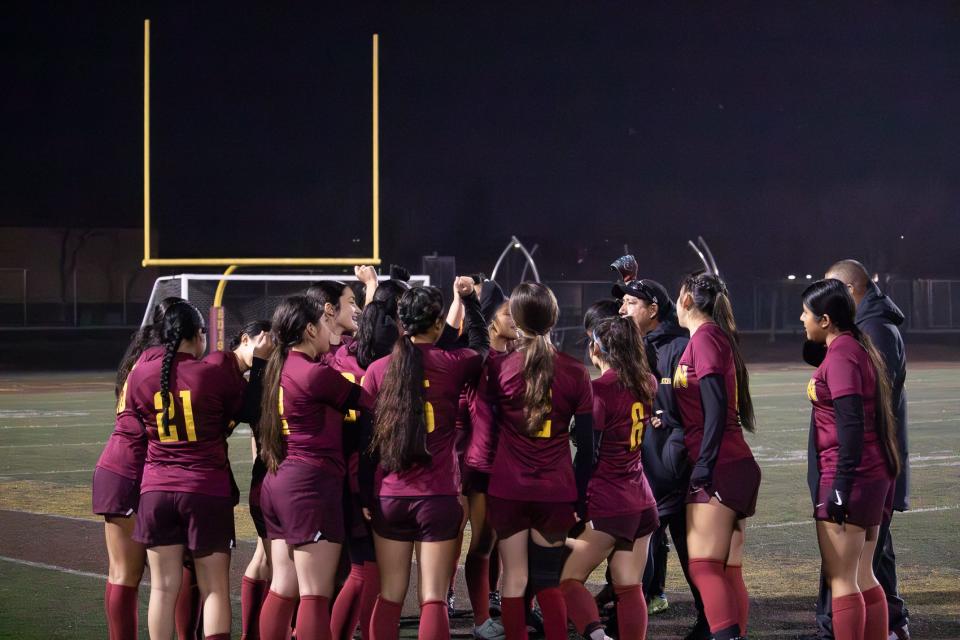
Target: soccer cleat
657, 604
699, 631
451, 602
496, 609
535, 621
490, 630
900, 633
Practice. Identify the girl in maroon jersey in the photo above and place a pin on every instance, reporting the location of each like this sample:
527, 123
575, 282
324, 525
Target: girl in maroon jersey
340, 310
535, 492
413, 495
711, 386
116, 490
621, 509
186, 501
858, 459
478, 462
301, 430
377, 332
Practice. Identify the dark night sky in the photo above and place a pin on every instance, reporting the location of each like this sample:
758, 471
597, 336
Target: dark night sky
788, 136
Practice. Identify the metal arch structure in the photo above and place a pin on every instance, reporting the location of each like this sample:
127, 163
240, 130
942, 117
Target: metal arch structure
705, 255
515, 244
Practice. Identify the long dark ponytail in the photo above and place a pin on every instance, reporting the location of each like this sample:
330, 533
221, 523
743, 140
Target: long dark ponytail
377, 332
400, 428
711, 297
290, 320
621, 347
142, 339
831, 298
534, 309
181, 321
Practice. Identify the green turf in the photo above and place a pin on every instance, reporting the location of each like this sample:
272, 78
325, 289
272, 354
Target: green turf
51, 427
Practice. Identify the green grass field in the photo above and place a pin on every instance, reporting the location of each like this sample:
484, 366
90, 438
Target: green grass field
53, 426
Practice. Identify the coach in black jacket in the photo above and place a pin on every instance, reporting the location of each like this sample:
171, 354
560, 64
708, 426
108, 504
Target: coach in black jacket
879, 318
664, 455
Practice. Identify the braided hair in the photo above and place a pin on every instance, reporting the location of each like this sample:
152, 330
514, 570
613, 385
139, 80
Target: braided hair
290, 320
831, 298
142, 339
400, 428
182, 321
711, 297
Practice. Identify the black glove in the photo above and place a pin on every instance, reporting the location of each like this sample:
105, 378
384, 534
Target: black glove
701, 478
837, 504
626, 266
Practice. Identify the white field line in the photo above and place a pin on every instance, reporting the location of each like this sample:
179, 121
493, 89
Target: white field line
52, 444
798, 523
53, 567
106, 424
4, 474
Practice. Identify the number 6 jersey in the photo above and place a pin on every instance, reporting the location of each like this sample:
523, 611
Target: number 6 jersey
190, 455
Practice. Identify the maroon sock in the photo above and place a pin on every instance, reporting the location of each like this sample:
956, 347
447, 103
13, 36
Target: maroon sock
368, 596
434, 622
385, 622
719, 601
581, 607
476, 570
849, 617
346, 608
631, 612
313, 618
275, 616
494, 569
554, 611
734, 575
514, 618
187, 612
122, 611
252, 593
876, 625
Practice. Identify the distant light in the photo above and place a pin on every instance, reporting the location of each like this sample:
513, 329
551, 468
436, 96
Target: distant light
809, 277
876, 277
901, 237
516, 245
791, 277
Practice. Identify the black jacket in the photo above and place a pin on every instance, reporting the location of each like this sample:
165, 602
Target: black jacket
879, 318
663, 452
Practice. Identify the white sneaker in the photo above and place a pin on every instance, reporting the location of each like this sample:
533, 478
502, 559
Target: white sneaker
490, 630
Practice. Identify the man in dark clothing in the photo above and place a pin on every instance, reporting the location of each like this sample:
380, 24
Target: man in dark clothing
665, 464
879, 318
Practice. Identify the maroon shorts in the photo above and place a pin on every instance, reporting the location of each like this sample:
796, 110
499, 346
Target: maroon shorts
735, 484
301, 504
870, 502
256, 511
630, 526
203, 523
428, 519
113, 494
507, 517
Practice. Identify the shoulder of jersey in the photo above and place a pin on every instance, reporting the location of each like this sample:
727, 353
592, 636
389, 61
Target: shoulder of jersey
569, 360
151, 353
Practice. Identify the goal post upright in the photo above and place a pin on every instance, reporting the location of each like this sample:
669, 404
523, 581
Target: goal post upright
150, 261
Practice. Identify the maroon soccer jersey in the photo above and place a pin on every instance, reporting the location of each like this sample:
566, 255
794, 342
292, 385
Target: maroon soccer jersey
190, 455
126, 450
346, 363
227, 360
539, 467
312, 399
482, 447
846, 370
618, 486
445, 373
345, 340
708, 353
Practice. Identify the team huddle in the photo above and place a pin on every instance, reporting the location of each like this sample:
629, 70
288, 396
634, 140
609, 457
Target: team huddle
379, 433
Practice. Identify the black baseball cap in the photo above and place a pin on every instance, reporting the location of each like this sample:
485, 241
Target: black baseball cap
649, 290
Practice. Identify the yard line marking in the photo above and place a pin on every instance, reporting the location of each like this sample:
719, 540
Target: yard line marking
40, 413
53, 567
797, 523
57, 444
5, 474
83, 425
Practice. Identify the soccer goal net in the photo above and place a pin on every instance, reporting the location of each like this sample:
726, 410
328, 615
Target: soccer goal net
243, 298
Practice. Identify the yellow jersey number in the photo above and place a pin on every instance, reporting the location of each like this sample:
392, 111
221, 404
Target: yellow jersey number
170, 434
285, 428
638, 417
428, 416
351, 415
